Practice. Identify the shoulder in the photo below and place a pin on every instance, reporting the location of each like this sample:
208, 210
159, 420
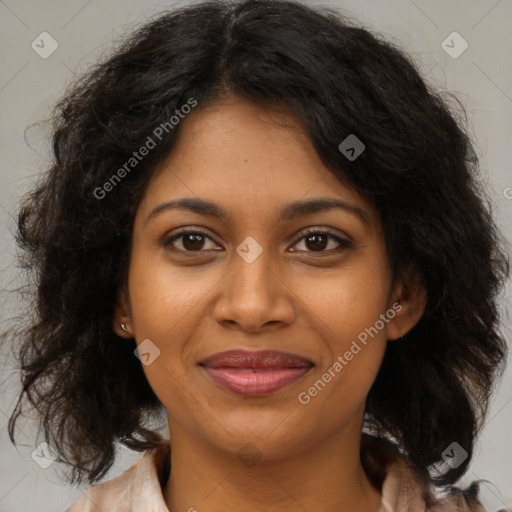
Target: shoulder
463, 500
138, 487
406, 490
108, 495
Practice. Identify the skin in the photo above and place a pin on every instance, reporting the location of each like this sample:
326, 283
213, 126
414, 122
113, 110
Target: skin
252, 161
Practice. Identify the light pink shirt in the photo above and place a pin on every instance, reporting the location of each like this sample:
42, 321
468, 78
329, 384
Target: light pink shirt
140, 489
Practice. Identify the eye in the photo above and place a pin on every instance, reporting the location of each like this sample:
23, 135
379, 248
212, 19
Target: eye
190, 240
318, 241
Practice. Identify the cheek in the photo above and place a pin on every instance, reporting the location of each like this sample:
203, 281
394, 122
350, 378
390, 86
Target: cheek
349, 303
162, 295
160, 301
337, 392
348, 310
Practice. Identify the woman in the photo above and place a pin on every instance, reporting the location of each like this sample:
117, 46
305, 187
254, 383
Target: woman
260, 220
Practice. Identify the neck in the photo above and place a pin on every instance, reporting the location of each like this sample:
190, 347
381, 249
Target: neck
327, 477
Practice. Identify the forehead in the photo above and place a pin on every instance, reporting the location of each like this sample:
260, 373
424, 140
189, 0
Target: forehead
247, 157
241, 140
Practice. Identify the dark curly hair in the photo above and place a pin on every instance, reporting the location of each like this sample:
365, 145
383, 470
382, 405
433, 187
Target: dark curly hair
419, 170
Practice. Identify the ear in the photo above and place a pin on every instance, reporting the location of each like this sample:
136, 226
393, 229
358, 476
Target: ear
122, 316
408, 300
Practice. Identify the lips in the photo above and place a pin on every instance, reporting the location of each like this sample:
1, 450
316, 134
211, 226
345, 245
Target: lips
255, 374
255, 360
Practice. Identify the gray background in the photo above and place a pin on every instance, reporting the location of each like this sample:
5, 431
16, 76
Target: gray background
29, 85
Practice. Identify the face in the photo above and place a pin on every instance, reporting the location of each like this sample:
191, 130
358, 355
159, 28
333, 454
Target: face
255, 270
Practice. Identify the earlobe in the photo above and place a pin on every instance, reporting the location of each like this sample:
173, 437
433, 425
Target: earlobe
121, 321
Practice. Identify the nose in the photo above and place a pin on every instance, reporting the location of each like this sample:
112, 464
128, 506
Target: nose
253, 297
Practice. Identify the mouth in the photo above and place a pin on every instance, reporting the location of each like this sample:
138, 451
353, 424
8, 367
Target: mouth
254, 374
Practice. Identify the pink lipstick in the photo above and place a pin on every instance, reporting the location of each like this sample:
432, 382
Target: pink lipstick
255, 374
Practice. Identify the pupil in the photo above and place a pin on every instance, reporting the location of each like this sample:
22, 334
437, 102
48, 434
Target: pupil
192, 242
318, 241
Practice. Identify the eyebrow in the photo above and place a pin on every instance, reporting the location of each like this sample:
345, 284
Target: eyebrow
287, 213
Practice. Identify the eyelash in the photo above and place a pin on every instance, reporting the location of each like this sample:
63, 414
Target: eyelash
343, 243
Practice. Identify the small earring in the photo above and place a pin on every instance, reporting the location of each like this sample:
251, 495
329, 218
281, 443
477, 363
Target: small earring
123, 326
